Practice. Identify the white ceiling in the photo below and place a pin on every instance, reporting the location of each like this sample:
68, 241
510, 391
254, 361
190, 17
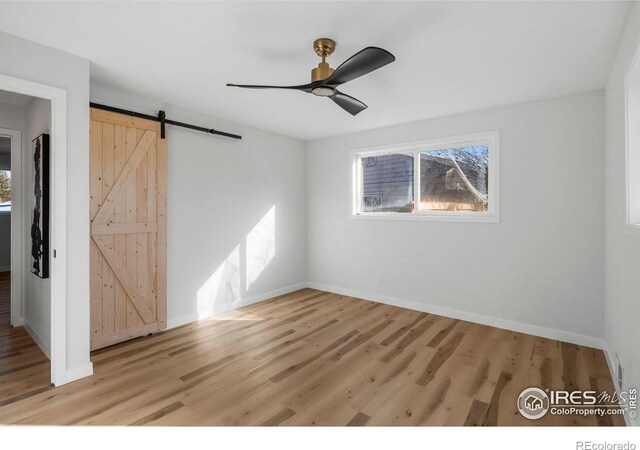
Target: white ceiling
451, 57
14, 99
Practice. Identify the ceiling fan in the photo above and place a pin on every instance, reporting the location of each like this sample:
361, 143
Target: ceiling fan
325, 80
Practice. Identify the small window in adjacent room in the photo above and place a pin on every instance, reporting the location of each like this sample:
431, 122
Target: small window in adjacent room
449, 179
5, 191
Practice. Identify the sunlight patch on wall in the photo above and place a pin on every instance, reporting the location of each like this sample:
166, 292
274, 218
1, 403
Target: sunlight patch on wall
222, 289
261, 246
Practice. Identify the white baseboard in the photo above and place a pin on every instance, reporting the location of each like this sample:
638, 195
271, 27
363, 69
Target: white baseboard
81, 371
520, 327
44, 346
5, 268
201, 315
174, 322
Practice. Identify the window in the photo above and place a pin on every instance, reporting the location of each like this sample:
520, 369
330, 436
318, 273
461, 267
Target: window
632, 125
387, 185
448, 179
455, 179
5, 191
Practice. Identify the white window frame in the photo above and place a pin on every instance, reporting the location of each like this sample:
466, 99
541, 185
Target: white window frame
632, 146
492, 215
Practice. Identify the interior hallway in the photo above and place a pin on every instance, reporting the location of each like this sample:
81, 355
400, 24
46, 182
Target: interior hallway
24, 369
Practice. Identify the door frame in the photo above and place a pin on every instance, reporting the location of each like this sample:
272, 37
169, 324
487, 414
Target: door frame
57, 215
17, 282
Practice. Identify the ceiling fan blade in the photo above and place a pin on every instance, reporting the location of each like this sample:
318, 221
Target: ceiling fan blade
351, 105
363, 62
302, 87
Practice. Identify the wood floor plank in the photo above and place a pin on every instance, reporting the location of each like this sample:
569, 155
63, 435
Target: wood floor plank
476, 414
295, 367
491, 417
401, 367
283, 415
442, 355
480, 378
569, 366
605, 420
414, 334
546, 373
434, 402
360, 339
359, 420
159, 414
438, 338
289, 342
402, 330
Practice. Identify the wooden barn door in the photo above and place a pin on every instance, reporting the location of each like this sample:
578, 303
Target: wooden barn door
128, 185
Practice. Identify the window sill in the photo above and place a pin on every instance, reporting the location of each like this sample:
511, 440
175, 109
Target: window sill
422, 217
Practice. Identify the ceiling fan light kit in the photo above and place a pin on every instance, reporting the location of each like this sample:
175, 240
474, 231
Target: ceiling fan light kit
323, 91
325, 80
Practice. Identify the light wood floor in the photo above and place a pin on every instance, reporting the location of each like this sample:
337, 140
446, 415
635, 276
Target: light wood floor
307, 358
5, 298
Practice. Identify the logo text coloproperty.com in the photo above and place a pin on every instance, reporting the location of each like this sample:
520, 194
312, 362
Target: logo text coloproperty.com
534, 403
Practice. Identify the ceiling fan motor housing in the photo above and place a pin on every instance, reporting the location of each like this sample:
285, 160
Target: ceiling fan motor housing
321, 72
323, 48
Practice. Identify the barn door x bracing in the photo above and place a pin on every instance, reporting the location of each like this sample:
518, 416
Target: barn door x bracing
128, 185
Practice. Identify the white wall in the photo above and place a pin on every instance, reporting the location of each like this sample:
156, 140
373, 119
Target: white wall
236, 212
30, 61
36, 304
539, 270
622, 262
12, 116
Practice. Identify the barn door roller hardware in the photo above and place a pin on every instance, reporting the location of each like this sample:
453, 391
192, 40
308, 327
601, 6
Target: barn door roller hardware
162, 118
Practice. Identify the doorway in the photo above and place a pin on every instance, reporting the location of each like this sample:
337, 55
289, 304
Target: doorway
20, 354
56, 105
5, 230
11, 232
